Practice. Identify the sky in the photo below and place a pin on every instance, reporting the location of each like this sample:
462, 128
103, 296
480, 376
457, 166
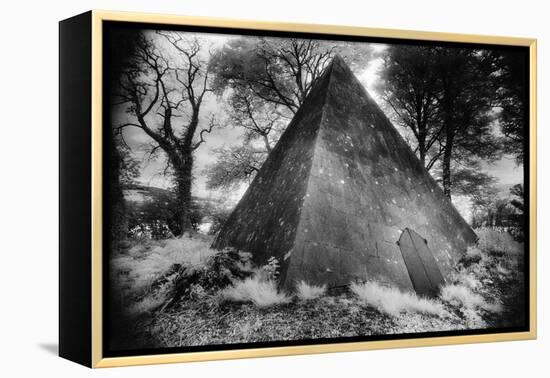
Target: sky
506, 172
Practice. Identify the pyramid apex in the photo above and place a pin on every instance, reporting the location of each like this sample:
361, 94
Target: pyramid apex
338, 61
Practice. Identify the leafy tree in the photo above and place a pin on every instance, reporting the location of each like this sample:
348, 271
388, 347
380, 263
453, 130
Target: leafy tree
123, 167
473, 182
163, 90
504, 213
444, 96
465, 100
410, 88
510, 76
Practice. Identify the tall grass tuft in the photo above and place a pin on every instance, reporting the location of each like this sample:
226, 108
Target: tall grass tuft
263, 293
306, 292
461, 296
392, 301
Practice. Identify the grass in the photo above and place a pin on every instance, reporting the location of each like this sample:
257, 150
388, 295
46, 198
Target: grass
306, 292
462, 297
392, 301
483, 292
263, 293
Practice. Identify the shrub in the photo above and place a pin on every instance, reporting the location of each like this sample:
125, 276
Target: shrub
306, 292
198, 282
473, 255
499, 242
270, 270
138, 270
392, 301
260, 292
468, 277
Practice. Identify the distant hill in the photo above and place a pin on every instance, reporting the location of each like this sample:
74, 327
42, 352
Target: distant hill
140, 194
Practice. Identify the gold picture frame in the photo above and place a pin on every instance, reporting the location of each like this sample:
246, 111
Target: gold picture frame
96, 358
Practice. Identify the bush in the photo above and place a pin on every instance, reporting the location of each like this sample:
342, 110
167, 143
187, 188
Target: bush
270, 271
473, 256
392, 301
260, 292
307, 292
498, 242
137, 270
198, 282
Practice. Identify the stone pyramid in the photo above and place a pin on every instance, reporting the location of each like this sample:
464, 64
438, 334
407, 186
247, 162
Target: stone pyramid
343, 198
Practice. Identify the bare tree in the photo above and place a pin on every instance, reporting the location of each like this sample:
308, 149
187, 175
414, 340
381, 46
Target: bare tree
164, 95
280, 72
260, 120
236, 164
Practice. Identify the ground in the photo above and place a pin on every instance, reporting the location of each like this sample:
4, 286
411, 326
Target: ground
179, 292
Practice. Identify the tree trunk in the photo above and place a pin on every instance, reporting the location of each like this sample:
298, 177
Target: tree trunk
182, 162
449, 136
266, 143
422, 144
183, 176
447, 165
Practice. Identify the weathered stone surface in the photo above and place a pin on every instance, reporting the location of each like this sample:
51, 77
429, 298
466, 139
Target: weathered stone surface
336, 193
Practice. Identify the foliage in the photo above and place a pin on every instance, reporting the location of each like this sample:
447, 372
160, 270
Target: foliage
502, 213
279, 71
518, 197
157, 216
471, 181
510, 80
221, 269
135, 270
462, 296
306, 292
263, 293
234, 165
409, 86
498, 242
490, 289
392, 301
444, 97
473, 255
267, 79
270, 271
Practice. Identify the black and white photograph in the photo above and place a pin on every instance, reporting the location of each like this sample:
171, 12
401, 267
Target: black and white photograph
277, 188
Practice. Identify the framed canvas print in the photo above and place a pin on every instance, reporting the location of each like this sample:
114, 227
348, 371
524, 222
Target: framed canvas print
235, 189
